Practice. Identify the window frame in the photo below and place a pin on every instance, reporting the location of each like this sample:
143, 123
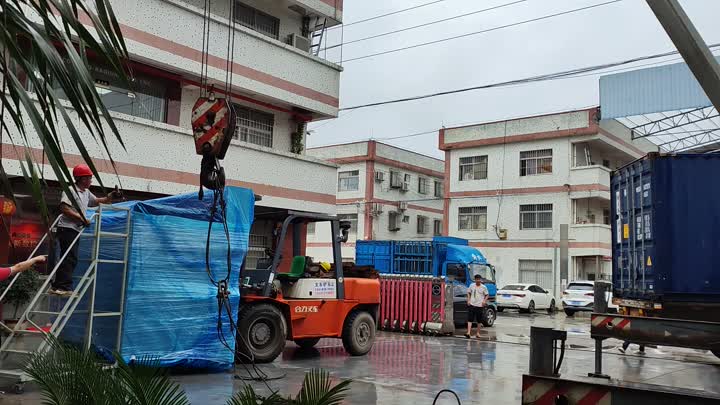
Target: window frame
255, 26
537, 159
463, 168
423, 185
248, 126
534, 210
422, 222
471, 221
353, 174
437, 227
441, 188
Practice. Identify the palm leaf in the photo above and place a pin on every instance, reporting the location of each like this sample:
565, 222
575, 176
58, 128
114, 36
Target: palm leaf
248, 397
317, 389
148, 384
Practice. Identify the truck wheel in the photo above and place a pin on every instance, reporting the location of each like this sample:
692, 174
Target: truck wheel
569, 312
358, 333
307, 343
261, 333
489, 317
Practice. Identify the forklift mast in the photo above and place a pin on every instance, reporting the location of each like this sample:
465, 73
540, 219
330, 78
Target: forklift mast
339, 233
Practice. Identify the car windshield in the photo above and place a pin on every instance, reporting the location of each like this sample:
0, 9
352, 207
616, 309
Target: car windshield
483, 270
581, 287
513, 287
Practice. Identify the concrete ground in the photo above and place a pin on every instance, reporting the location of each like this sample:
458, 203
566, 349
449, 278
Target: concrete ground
411, 369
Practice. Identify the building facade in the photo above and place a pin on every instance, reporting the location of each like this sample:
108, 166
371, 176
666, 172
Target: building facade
510, 185
387, 193
278, 85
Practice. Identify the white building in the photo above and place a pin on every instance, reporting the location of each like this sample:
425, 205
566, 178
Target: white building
386, 192
509, 185
278, 85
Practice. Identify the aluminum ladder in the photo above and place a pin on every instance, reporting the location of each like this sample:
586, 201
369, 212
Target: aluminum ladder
47, 314
317, 35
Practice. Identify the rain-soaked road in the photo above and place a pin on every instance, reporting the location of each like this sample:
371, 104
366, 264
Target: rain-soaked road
410, 369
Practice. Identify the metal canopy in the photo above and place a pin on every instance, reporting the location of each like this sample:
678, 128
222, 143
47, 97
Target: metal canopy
664, 105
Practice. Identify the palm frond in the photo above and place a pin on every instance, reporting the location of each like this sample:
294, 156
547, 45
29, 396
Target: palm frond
148, 384
248, 396
317, 389
56, 54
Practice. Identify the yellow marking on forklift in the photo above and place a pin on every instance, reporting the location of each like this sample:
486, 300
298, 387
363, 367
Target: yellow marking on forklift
649, 262
626, 231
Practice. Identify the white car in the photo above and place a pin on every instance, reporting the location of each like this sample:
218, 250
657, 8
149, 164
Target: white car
525, 297
579, 296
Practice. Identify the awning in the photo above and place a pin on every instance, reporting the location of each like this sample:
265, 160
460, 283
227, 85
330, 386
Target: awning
464, 254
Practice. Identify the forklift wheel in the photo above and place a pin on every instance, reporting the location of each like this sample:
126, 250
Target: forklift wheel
358, 333
261, 333
307, 343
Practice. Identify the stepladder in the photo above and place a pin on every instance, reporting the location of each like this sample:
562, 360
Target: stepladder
78, 319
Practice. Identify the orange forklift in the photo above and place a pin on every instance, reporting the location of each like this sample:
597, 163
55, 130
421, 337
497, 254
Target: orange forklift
310, 302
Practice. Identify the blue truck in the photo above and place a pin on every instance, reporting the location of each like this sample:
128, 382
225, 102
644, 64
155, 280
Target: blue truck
449, 257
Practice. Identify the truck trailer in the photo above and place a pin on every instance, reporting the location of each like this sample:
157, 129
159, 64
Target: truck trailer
448, 257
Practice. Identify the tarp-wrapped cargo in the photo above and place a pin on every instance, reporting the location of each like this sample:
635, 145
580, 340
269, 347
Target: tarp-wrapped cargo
170, 305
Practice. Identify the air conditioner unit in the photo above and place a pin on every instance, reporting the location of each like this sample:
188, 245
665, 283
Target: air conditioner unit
379, 177
299, 42
376, 209
402, 206
405, 187
502, 233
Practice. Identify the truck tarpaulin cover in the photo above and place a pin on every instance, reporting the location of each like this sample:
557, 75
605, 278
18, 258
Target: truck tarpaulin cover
464, 254
171, 307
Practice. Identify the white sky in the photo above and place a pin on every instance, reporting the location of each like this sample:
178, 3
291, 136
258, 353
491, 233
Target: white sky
599, 35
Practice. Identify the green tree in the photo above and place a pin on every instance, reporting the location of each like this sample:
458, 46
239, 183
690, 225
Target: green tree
48, 41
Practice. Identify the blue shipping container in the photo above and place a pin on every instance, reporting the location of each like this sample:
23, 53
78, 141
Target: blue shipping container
406, 257
666, 228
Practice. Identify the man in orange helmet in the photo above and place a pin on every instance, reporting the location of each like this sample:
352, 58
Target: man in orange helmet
71, 224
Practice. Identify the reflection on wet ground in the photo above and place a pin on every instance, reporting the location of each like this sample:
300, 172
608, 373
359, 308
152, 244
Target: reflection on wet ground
411, 369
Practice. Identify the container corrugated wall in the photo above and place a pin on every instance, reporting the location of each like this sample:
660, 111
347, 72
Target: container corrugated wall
666, 228
375, 253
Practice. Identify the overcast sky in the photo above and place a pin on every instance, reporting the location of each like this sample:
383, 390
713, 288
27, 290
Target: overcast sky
599, 35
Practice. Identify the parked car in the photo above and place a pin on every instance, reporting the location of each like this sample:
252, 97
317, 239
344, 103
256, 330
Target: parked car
525, 297
579, 296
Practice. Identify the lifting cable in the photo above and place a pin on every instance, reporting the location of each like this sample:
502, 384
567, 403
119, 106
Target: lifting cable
218, 209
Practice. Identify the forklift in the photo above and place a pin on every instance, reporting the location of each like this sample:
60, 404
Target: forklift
312, 301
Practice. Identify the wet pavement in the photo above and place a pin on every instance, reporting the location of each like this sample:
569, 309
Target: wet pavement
411, 369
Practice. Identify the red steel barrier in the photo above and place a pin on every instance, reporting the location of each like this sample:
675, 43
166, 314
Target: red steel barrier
409, 302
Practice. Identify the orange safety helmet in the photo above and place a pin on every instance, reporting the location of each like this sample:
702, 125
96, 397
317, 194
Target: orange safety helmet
81, 171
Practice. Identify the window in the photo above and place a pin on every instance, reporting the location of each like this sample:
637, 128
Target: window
393, 221
437, 227
536, 272
254, 126
536, 162
473, 168
256, 250
422, 224
422, 185
353, 219
257, 20
606, 216
407, 180
472, 218
311, 228
536, 216
406, 219
395, 180
349, 181
438, 189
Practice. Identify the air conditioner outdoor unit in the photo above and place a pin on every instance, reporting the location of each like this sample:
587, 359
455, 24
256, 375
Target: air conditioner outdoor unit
405, 187
299, 42
502, 233
376, 209
402, 206
379, 177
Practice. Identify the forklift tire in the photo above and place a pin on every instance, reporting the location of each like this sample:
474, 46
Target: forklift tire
261, 333
358, 333
307, 343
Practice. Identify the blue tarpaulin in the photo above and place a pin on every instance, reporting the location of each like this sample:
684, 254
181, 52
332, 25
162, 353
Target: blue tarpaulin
464, 254
171, 307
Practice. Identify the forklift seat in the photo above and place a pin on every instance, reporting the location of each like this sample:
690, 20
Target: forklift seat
297, 269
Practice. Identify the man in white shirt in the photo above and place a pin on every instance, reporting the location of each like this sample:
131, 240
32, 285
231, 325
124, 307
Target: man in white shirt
71, 223
477, 296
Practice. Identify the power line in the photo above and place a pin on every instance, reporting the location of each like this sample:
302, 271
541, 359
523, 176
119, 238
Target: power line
550, 76
482, 31
424, 25
388, 14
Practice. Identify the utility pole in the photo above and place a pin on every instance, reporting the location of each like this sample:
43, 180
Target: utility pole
691, 46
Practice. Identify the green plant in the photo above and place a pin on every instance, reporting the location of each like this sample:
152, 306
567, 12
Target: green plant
316, 389
22, 291
67, 376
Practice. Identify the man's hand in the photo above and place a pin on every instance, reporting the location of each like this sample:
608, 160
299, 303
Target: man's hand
27, 264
